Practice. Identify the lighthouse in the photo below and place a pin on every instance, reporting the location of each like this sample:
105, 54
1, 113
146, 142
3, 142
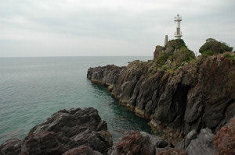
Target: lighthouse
178, 34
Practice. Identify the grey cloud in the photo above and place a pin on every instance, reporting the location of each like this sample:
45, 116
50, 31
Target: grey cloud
125, 28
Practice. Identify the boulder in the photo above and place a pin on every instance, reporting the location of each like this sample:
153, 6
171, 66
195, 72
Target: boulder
138, 143
82, 150
133, 143
64, 130
203, 144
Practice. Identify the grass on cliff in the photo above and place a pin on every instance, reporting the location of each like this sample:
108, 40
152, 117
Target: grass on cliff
172, 62
181, 56
229, 55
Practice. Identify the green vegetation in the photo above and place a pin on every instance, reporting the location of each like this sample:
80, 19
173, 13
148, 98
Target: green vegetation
171, 62
182, 55
175, 55
161, 59
212, 47
176, 44
229, 55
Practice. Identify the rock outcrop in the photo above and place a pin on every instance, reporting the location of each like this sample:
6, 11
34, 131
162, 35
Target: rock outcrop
142, 143
203, 144
225, 139
74, 130
170, 48
199, 94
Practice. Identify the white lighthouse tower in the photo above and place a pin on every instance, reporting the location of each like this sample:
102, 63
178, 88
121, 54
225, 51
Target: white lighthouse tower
178, 34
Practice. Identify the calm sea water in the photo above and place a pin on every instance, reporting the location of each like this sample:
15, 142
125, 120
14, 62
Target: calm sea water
32, 89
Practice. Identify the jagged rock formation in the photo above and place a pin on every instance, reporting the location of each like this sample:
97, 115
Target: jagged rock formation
136, 143
225, 139
199, 94
74, 130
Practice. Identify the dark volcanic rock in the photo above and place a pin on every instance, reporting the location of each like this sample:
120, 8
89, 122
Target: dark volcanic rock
157, 51
82, 150
198, 95
134, 143
43, 143
11, 147
64, 130
225, 139
142, 143
171, 151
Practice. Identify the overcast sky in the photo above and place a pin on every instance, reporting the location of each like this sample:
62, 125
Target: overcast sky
109, 27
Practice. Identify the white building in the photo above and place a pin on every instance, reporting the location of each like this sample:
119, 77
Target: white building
178, 33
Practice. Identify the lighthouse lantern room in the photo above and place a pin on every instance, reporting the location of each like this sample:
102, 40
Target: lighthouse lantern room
178, 33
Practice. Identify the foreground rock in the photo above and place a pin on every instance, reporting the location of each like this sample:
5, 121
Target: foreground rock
225, 139
141, 143
203, 144
64, 130
198, 95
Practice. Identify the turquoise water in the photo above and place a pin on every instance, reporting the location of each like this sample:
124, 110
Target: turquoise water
32, 89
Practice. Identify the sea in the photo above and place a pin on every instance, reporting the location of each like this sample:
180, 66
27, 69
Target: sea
33, 88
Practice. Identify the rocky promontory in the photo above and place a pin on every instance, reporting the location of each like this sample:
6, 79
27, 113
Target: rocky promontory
176, 92
188, 101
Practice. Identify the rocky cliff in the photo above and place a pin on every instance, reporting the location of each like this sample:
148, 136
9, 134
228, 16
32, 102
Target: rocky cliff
197, 94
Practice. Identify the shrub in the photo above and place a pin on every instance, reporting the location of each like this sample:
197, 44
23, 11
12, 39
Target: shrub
182, 55
213, 46
172, 62
229, 55
176, 44
161, 59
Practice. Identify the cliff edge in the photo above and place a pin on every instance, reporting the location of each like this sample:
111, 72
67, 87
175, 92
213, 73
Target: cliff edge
182, 94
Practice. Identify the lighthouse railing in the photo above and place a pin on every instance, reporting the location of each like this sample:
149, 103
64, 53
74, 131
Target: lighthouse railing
178, 18
176, 34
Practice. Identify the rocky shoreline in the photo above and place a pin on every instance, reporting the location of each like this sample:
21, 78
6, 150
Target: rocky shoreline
194, 101
198, 95
82, 132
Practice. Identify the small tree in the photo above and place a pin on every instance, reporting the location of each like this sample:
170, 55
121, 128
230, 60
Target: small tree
176, 44
182, 55
213, 46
